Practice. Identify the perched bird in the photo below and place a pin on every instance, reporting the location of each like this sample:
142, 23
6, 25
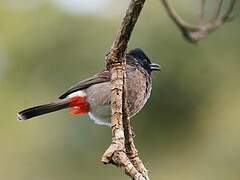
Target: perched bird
93, 95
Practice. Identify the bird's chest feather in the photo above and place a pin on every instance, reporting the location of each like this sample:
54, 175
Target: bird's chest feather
138, 90
99, 96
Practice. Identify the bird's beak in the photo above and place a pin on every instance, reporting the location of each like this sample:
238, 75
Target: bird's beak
155, 67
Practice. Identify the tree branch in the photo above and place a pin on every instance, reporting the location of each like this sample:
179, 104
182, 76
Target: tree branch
121, 41
122, 151
218, 10
194, 33
202, 10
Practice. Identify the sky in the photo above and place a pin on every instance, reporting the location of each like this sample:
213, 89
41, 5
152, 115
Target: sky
95, 7
83, 6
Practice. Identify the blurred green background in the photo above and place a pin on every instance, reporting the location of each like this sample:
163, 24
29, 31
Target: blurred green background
190, 128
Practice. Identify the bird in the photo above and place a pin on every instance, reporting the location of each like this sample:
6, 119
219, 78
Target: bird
92, 96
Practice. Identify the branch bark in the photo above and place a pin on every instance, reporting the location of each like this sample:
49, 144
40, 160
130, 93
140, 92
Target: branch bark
194, 33
122, 152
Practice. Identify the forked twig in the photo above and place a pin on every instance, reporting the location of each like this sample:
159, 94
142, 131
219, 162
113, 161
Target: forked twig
122, 151
194, 33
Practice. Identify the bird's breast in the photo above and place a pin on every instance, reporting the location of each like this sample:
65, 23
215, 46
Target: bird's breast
138, 91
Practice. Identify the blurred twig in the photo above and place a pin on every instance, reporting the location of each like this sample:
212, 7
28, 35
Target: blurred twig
194, 33
122, 151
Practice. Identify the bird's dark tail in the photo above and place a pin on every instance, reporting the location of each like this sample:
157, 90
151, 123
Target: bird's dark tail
43, 109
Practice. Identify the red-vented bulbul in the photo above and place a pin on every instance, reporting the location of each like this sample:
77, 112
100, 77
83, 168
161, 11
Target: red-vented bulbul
93, 95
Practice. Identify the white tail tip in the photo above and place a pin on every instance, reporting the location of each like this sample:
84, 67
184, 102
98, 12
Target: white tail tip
20, 117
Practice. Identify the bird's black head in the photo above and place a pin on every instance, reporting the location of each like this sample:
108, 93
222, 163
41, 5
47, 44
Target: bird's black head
143, 60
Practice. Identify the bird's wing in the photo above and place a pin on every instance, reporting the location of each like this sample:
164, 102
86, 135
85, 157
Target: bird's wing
103, 76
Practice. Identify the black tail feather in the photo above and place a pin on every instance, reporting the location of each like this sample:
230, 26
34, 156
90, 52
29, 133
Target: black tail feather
42, 109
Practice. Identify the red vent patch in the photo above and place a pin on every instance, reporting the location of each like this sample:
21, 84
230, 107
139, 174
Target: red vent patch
79, 105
